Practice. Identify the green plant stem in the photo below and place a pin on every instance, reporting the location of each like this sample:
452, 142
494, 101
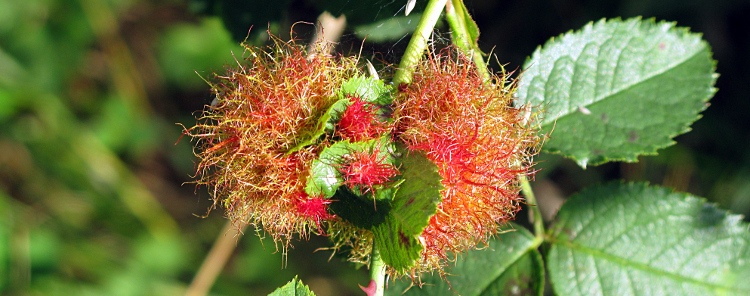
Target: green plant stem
459, 20
418, 43
377, 271
536, 215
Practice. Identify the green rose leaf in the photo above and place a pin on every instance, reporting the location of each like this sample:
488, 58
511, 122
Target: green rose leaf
293, 288
510, 265
328, 121
368, 89
414, 203
471, 25
635, 239
365, 214
618, 89
398, 220
325, 177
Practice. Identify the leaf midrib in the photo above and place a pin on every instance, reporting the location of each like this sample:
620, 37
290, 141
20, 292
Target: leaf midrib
613, 92
596, 253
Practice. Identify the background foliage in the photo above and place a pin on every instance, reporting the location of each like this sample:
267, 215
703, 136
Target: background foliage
92, 168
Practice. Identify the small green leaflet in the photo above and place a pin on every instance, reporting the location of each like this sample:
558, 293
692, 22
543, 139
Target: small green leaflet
463, 19
326, 123
295, 287
618, 89
368, 89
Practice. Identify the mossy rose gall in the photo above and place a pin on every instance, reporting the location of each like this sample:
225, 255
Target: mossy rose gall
265, 108
468, 127
301, 144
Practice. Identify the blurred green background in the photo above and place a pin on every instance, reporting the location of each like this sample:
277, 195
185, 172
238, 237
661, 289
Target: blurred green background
93, 170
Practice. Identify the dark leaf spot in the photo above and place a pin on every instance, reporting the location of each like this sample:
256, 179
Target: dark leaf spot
632, 136
404, 239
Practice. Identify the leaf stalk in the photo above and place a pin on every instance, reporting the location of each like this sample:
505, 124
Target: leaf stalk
377, 271
535, 217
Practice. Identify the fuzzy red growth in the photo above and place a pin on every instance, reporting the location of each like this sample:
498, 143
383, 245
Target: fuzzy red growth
265, 107
366, 170
455, 154
479, 142
360, 121
314, 209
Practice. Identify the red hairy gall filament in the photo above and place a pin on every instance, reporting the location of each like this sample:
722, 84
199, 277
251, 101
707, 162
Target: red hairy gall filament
360, 121
365, 170
313, 208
